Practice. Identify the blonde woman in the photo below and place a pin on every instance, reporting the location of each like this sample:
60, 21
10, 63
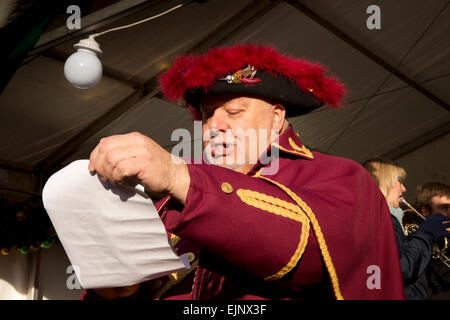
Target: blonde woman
416, 248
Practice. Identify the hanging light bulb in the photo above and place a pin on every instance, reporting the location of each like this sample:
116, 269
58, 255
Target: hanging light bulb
83, 68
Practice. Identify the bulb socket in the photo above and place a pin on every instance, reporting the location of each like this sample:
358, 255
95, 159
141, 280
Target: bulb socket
89, 44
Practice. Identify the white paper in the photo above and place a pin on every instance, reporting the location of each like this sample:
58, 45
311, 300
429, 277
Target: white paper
113, 236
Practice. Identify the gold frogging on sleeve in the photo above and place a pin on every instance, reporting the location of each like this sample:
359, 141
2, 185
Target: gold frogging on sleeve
318, 232
284, 209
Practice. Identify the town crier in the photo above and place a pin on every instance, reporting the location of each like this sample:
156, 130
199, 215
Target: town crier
289, 223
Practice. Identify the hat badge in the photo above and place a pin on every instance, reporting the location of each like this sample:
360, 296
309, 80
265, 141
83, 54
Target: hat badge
245, 76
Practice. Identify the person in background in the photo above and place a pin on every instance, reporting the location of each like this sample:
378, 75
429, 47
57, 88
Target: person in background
434, 198
415, 250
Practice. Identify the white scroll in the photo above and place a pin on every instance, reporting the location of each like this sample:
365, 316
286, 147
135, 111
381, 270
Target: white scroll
113, 236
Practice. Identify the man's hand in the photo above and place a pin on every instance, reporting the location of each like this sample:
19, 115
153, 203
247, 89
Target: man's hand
437, 225
133, 159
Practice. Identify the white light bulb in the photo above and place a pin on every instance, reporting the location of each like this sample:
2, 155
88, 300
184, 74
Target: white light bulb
83, 69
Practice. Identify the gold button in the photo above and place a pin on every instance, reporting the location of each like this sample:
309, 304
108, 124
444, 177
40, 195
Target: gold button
226, 187
190, 256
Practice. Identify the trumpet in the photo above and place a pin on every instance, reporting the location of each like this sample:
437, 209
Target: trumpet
412, 227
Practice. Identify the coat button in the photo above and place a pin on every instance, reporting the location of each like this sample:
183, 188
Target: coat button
190, 256
226, 187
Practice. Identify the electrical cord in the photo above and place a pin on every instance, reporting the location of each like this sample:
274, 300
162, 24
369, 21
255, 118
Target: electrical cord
138, 22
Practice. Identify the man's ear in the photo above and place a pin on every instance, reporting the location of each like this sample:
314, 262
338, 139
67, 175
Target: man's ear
279, 115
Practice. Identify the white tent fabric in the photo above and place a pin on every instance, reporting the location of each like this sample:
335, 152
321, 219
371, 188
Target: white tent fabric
14, 277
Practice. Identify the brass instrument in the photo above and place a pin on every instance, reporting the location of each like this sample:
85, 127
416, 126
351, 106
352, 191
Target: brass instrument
412, 226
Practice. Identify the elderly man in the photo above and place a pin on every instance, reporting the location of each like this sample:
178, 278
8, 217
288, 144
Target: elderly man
302, 225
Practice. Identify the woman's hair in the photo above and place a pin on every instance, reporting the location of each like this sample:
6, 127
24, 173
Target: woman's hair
385, 172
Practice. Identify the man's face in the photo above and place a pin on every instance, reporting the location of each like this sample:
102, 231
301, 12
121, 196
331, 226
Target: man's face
440, 204
237, 130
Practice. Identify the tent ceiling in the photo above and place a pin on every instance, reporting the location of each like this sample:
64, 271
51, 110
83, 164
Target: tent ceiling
398, 77
41, 110
154, 44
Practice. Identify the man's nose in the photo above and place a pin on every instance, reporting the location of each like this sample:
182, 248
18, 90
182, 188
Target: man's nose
217, 121
403, 188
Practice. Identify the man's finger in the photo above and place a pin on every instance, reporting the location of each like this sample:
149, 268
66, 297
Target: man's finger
125, 170
112, 142
99, 161
92, 157
114, 156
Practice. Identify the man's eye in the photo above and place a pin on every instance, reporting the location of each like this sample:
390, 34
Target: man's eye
206, 115
233, 112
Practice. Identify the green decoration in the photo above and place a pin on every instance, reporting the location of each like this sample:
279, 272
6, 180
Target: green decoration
48, 242
24, 249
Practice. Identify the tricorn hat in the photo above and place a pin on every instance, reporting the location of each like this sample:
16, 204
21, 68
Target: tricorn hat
252, 70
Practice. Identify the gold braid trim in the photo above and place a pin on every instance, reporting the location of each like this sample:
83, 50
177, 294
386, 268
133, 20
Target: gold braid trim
175, 278
294, 151
163, 204
320, 238
303, 149
174, 239
284, 209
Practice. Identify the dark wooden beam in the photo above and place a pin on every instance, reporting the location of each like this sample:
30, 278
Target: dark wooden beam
17, 167
417, 142
92, 23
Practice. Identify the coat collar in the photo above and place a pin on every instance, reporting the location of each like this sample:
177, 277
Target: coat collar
289, 142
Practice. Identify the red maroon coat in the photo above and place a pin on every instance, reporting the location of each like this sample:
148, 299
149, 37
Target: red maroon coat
318, 228
313, 230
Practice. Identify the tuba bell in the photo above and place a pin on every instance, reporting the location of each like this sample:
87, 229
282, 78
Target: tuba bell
411, 222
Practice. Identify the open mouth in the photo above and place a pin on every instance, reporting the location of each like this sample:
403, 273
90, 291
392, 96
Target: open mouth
221, 149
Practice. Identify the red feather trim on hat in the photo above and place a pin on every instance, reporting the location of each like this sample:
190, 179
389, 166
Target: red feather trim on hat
201, 72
